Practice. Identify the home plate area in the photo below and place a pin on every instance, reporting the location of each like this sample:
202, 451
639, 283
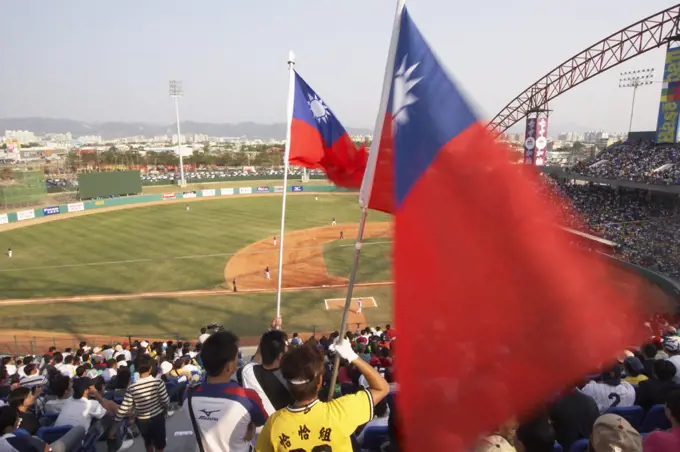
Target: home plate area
339, 303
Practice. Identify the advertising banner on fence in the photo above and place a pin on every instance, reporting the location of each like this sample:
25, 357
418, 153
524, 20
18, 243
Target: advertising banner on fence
189, 194
278, 188
25, 215
263, 189
245, 190
101, 202
226, 191
75, 207
296, 188
4, 218
52, 210
172, 195
669, 105
209, 192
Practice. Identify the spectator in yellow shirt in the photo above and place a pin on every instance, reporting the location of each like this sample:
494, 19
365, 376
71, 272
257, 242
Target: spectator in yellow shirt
310, 425
634, 370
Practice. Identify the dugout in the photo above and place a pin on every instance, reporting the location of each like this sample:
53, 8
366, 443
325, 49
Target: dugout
107, 184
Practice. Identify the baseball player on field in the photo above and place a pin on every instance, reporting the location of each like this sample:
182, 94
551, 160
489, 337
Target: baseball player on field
274, 241
266, 272
342, 234
333, 223
9, 253
360, 304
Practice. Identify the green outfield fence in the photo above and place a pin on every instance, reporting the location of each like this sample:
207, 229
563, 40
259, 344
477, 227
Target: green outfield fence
31, 214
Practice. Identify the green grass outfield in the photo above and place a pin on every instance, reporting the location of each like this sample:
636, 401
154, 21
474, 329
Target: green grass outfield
375, 263
246, 314
155, 248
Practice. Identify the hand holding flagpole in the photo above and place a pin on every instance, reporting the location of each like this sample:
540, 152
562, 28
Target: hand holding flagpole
286, 158
367, 183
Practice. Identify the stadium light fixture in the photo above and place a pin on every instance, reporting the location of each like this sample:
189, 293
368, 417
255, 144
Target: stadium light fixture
635, 79
176, 91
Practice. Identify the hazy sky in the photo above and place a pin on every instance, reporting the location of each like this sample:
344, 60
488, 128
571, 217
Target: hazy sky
99, 61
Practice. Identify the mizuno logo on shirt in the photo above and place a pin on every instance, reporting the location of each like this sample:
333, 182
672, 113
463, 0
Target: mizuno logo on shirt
207, 416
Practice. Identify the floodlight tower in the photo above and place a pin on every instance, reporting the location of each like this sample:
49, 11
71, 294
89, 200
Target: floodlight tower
176, 92
635, 79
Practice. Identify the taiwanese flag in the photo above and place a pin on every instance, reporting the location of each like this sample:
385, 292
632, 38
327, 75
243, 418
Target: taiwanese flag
498, 312
318, 140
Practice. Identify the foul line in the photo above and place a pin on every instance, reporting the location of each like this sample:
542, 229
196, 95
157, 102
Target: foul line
177, 294
159, 259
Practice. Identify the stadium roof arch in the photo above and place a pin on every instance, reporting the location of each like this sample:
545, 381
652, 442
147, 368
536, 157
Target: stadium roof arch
647, 34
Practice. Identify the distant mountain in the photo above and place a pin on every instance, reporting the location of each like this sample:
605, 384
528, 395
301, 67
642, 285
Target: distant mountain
112, 130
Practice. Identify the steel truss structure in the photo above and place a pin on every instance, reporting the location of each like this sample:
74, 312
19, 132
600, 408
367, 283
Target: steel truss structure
650, 33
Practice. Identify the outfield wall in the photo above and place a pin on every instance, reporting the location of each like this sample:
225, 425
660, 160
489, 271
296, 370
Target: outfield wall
31, 214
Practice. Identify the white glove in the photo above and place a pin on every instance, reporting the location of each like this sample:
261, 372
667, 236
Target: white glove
344, 349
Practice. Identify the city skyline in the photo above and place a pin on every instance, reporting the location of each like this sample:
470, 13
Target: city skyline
100, 62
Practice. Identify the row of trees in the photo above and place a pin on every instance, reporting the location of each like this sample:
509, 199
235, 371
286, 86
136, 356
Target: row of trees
76, 160
262, 155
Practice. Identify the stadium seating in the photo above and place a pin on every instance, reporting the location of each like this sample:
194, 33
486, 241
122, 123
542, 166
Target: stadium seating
374, 437
655, 420
579, 446
633, 414
52, 434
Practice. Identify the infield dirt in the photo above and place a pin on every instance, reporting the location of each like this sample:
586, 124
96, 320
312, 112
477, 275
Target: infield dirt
303, 261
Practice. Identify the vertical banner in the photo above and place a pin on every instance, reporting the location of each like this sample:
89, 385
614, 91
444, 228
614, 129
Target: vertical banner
541, 139
530, 141
669, 106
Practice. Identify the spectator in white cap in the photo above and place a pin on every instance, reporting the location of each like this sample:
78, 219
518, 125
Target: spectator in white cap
613, 433
672, 346
204, 335
166, 367
494, 443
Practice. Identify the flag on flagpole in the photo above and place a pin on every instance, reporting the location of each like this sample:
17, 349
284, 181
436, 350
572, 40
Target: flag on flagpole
498, 312
319, 141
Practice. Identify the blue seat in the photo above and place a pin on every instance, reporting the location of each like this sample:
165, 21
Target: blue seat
633, 414
557, 447
48, 420
390, 399
579, 446
52, 434
90, 441
655, 420
21, 432
373, 437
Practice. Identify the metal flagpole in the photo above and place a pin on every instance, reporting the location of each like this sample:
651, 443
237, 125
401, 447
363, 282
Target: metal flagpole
286, 155
366, 184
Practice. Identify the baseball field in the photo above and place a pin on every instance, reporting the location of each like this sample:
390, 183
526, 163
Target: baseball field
160, 269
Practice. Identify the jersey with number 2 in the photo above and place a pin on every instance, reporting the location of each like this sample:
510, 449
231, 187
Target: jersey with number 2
319, 427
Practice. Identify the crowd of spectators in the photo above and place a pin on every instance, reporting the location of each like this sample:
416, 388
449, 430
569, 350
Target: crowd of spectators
637, 162
646, 226
281, 400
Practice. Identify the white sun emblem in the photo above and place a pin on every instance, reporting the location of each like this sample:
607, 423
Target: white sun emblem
319, 109
401, 95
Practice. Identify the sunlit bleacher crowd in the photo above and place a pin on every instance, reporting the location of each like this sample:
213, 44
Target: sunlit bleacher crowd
115, 396
646, 226
638, 162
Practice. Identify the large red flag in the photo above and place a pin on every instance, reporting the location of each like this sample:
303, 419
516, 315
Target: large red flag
319, 141
496, 311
